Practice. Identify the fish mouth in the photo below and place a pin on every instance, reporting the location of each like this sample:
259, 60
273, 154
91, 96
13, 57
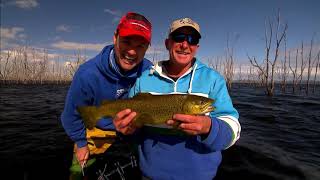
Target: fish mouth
208, 108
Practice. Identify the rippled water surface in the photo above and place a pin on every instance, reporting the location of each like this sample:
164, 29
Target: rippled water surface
279, 139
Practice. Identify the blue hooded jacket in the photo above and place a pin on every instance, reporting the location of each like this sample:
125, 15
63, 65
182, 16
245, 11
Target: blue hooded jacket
96, 80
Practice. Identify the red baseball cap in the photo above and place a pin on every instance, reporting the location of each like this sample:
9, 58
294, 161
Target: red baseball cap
135, 24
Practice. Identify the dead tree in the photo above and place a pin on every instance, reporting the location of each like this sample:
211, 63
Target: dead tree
317, 62
75, 65
19, 65
228, 70
267, 68
5, 67
310, 64
250, 76
294, 72
302, 67
284, 68
215, 63
33, 66
240, 73
43, 64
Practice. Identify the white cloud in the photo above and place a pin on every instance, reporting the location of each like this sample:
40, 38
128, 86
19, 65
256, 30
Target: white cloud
10, 33
10, 36
115, 13
63, 28
76, 46
112, 12
26, 4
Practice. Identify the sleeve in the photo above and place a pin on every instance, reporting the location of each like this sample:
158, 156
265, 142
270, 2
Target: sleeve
225, 127
78, 95
106, 124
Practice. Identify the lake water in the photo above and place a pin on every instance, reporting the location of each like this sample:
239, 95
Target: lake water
280, 136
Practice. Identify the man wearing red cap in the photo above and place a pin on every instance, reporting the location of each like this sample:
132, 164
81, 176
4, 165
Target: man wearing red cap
107, 76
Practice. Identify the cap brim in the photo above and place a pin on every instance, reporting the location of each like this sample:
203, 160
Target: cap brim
132, 32
187, 26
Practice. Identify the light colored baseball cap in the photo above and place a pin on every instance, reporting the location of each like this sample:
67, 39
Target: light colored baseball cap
176, 24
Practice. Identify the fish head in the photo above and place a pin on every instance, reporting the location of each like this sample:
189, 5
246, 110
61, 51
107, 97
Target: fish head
197, 105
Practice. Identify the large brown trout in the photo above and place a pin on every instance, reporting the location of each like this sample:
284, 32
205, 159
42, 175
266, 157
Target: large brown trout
150, 109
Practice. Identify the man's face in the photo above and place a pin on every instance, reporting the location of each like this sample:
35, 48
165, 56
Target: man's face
183, 52
129, 51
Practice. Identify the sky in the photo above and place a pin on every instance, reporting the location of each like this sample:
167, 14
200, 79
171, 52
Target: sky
63, 26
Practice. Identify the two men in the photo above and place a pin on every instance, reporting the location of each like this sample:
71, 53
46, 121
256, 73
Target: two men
196, 155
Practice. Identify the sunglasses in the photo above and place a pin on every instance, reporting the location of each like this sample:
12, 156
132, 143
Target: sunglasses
191, 39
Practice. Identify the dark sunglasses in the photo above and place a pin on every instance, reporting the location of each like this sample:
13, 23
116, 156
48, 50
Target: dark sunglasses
191, 39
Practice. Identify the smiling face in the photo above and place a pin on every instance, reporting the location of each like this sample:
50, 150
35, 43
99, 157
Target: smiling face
129, 51
182, 53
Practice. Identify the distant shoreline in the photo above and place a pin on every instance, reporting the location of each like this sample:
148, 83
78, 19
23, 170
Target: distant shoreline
67, 82
29, 82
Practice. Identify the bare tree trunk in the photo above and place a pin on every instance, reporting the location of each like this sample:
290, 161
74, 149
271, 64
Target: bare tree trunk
309, 67
294, 72
216, 64
302, 67
284, 68
229, 65
74, 66
240, 73
250, 75
25, 66
316, 73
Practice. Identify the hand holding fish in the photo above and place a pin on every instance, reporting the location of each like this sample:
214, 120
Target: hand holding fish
123, 121
192, 124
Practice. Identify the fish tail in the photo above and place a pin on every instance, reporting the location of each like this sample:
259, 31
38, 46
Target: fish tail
90, 115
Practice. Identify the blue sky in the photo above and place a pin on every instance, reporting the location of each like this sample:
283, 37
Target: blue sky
62, 26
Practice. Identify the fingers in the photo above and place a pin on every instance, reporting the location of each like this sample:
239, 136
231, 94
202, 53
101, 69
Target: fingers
191, 124
123, 121
197, 127
181, 118
82, 155
184, 118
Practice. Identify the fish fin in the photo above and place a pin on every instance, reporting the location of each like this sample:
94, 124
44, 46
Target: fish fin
142, 119
142, 95
90, 115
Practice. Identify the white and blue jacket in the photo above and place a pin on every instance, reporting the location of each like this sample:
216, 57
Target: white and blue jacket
187, 157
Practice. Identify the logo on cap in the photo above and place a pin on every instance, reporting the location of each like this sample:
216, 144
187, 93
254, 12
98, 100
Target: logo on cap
184, 22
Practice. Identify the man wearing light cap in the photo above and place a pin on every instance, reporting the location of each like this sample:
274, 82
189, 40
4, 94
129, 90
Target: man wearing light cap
196, 154
108, 76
